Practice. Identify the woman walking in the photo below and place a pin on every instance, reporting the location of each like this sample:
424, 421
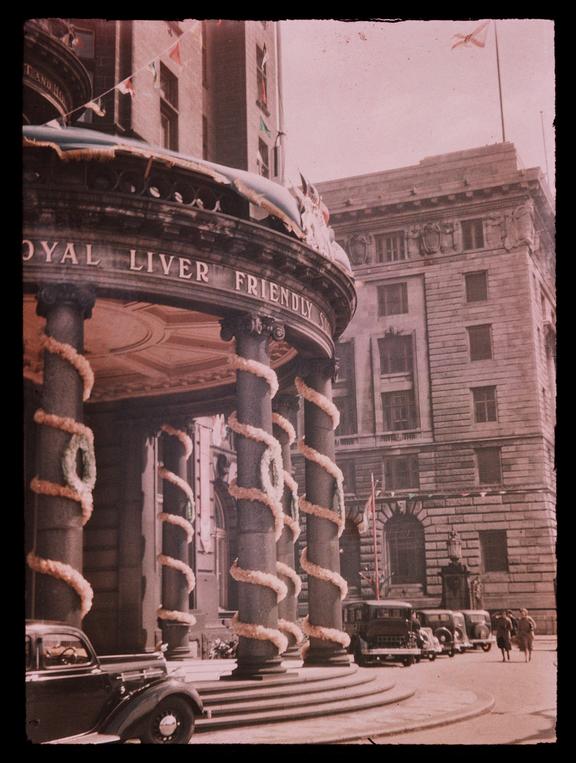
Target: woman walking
503, 627
526, 628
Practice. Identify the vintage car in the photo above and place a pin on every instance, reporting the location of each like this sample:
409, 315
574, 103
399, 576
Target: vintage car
460, 631
75, 697
478, 625
447, 626
381, 630
429, 645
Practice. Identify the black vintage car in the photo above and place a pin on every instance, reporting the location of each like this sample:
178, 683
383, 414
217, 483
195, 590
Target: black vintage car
74, 697
381, 630
447, 626
478, 625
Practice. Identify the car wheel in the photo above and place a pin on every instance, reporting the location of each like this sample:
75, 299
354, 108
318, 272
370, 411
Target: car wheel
407, 661
451, 653
486, 647
171, 722
432, 656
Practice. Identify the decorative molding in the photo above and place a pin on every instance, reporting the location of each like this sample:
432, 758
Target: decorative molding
54, 294
326, 367
251, 324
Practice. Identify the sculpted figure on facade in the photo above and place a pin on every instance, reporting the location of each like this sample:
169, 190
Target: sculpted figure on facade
515, 228
358, 247
314, 217
447, 237
413, 241
430, 238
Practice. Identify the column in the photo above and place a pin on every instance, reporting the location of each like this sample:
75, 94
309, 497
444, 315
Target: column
287, 406
59, 519
257, 603
175, 548
323, 549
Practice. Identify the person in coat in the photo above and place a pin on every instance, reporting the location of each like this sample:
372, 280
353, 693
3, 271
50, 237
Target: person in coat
503, 628
526, 629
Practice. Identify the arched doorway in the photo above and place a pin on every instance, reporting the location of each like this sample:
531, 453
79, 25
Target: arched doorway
225, 547
404, 551
350, 558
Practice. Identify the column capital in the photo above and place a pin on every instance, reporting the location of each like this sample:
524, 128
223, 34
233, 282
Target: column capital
49, 295
251, 324
326, 367
286, 405
152, 427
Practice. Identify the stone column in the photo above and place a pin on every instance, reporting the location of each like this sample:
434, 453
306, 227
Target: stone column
287, 406
58, 520
257, 604
175, 595
323, 549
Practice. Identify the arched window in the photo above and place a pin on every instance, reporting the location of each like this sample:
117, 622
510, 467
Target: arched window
350, 557
406, 556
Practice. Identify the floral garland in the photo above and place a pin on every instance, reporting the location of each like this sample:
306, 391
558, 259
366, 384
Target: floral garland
79, 362
287, 626
182, 523
334, 513
257, 577
78, 489
292, 575
260, 632
286, 425
258, 369
254, 494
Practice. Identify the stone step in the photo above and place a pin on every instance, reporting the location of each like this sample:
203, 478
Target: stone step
321, 697
344, 705
295, 688
304, 676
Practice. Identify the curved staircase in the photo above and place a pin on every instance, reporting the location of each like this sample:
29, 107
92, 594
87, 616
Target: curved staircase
306, 693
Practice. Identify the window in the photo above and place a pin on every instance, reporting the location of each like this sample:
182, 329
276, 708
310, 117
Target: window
484, 404
348, 469
393, 299
399, 410
169, 127
476, 286
168, 108
494, 550
168, 86
60, 650
401, 472
480, 342
395, 354
406, 550
345, 362
391, 247
346, 406
489, 467
262, 78
472, 234
84, 45
263, 159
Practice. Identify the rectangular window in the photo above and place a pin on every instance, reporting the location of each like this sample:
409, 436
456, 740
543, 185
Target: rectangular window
484, 404
168, 86
347, 415
169, 127
391, 247
263, 158
395, 354
348, 469
480, 342
399, 410
489, 466
401, 472
345, 362
494, 550
476, 286
262, 78
472, 234
393, 299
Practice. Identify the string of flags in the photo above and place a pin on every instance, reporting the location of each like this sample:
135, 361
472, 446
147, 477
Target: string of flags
472, 494
126, 86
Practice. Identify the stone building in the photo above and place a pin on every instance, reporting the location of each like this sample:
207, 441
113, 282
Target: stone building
446, 384
169, 282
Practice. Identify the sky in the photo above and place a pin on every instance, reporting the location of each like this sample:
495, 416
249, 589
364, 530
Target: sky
367, 96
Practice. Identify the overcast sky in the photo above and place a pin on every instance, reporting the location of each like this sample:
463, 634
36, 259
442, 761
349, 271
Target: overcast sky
365, 96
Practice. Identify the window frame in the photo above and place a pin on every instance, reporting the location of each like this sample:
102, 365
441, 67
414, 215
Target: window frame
261, 80
388, 254
263, 158
391, 474
473, 330
412, 417
384, 302
482, 466
469, 291
487, 545
469, 229
406, 342
486, 402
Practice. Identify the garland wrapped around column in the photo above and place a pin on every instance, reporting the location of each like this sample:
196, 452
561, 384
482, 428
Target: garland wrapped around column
77, 488
334, 513
272, 479
182, 524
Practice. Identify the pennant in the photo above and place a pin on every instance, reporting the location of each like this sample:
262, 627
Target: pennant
84, 116
126, 87
54, 123
153, 66
96, 107
477, 37
264, 127
175, 53
264, 57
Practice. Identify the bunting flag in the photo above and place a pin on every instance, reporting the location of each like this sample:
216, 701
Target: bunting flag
153, 66
264, 56
476, 37
126, 87
264, 127
54, 123
175, 53
97, 107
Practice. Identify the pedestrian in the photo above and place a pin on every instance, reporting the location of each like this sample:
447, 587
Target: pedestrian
503, 626
514, 621
526, 628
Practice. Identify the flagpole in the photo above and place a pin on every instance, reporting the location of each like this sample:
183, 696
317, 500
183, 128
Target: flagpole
376, 570
499, 82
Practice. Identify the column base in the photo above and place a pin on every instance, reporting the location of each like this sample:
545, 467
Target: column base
292, 653
322, 658
177, 638
249, 670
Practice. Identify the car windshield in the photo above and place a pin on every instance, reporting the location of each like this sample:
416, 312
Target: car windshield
434, 618
390, 612
477, 618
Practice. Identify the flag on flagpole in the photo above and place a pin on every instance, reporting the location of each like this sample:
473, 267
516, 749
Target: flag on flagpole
175, 53
476, 37
126, 87
153, 66
264, 127
96, 107
367, 512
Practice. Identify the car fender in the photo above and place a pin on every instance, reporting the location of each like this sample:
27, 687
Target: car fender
137, 706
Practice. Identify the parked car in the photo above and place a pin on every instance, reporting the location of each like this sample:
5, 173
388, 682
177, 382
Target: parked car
479, 627
429, 645
461, 632
446, 627
381, 630
75, 697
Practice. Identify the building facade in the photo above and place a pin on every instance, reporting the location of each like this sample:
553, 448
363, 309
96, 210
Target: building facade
176, 306
446, 383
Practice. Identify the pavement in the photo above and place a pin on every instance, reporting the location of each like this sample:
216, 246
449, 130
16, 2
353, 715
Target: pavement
440, 705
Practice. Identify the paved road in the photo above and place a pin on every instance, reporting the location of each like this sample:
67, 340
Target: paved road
524, 693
